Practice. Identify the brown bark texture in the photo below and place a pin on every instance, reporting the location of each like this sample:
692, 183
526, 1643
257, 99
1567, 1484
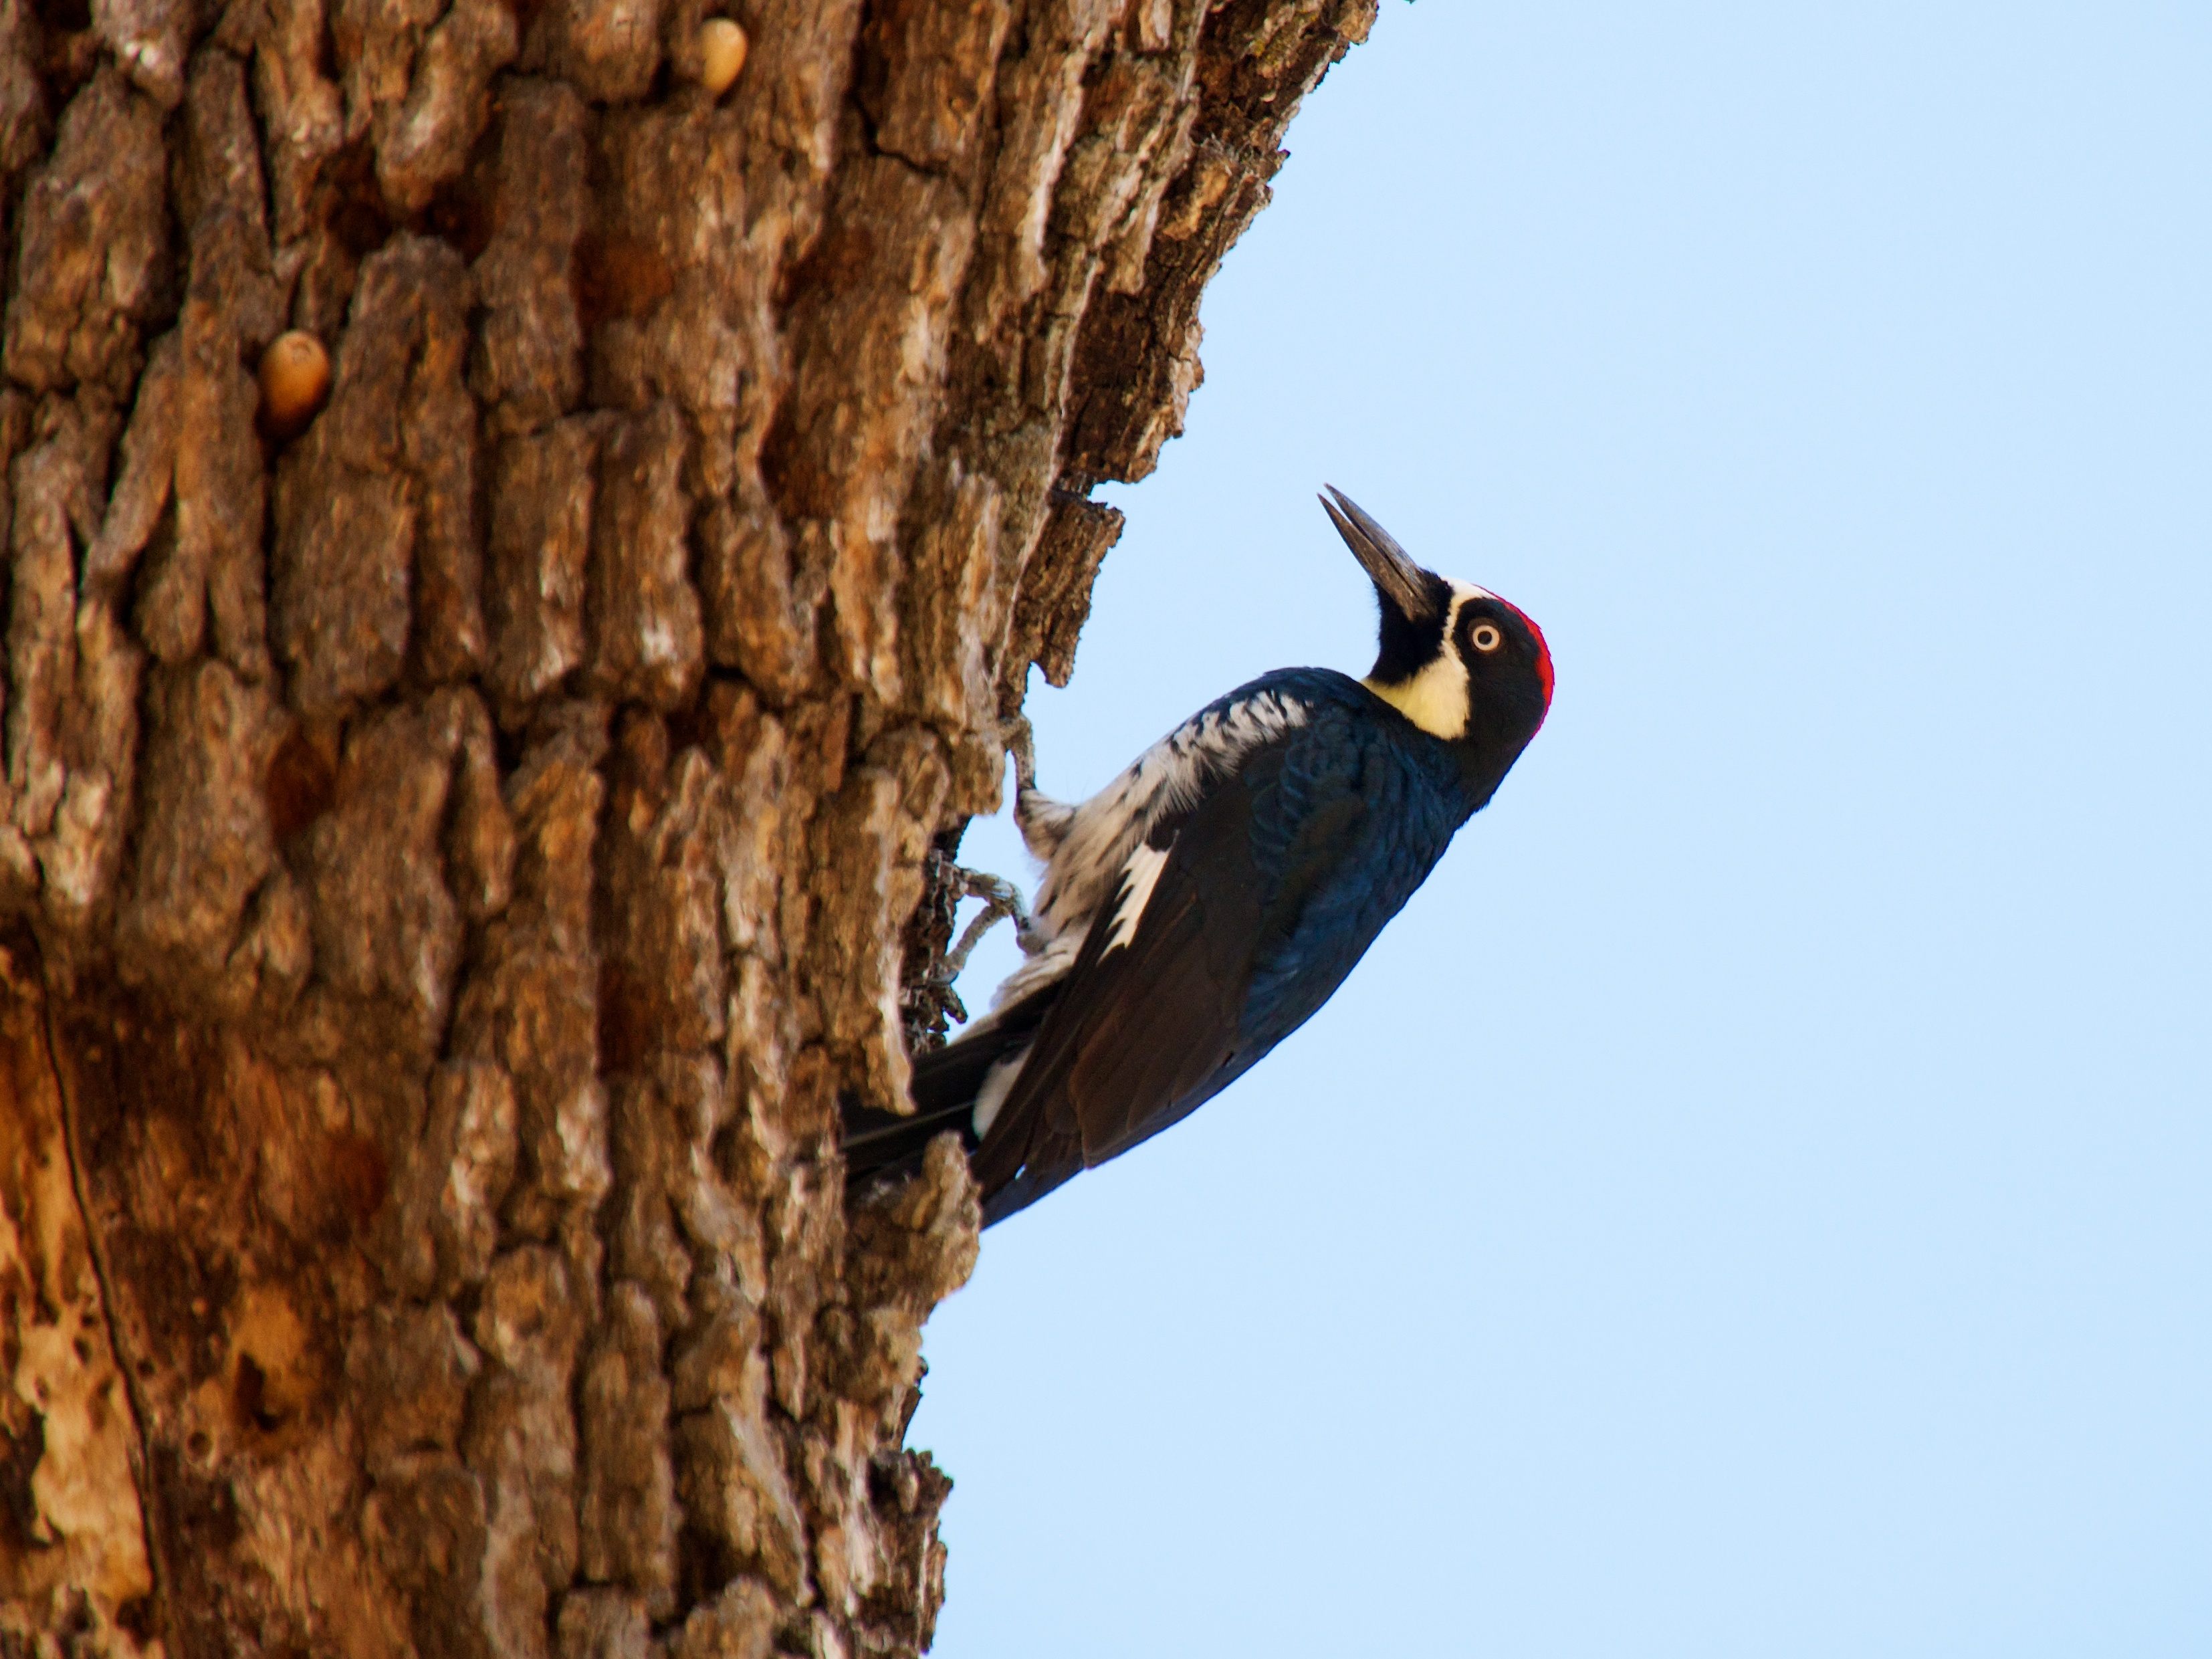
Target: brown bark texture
456, 848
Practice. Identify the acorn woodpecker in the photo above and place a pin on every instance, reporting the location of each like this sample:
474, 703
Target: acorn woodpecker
1198, 909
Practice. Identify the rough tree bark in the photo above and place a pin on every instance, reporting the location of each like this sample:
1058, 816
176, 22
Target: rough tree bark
454, 851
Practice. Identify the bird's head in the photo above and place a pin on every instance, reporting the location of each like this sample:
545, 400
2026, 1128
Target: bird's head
1454, 658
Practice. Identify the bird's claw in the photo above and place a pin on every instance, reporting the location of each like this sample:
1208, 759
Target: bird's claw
1001, 900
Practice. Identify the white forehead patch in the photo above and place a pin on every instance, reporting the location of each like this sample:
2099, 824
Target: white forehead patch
1436, 699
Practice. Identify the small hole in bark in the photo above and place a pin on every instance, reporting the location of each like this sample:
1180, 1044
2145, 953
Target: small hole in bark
703, 1565
67, 51
727, 1150
617, 277
249, 1394
136, 1616
20, 1455
348, 200
198, 1444
792, 483
65, 17
839, 259
688, 726
463, 214
509, 743
359, 1175
464, 1301
301, 782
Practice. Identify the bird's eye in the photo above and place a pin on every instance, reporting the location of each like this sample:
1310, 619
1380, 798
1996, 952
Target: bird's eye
1486, 636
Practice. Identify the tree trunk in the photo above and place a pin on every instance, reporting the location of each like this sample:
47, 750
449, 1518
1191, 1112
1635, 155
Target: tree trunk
460, 836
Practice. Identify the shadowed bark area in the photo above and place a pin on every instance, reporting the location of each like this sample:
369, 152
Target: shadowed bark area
457, 841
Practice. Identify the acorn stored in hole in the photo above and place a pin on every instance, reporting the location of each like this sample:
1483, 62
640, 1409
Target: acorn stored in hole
295, 378
721, 54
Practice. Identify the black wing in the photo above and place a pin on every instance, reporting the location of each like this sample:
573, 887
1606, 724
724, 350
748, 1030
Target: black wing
1144, 1033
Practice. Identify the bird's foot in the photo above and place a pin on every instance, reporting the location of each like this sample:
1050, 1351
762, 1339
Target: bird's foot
1043, 820
1001, 900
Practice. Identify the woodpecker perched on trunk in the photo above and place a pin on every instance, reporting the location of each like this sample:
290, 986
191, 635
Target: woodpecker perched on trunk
1198, 909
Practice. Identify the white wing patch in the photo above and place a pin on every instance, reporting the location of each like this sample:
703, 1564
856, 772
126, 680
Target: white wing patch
1436, 699
1089, 849
1138, 876
998, 1084
1086, 866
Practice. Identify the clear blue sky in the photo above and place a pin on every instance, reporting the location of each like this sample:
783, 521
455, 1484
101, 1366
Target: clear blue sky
1758, 1198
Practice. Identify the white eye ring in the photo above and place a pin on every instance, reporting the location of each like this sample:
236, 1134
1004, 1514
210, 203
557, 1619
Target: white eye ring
1485, 637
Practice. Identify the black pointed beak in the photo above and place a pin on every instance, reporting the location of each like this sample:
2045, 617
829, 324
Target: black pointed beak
1418, 596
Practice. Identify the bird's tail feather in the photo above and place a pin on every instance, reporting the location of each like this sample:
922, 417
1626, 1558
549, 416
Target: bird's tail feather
879, 1144
884, 1144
